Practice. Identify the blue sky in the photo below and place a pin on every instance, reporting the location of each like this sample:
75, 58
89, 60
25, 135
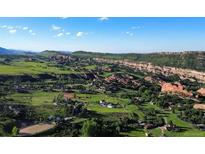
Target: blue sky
103, 34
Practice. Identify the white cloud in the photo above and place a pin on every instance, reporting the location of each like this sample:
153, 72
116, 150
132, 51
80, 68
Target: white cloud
55, 27
68, 33
4, 26
12, 31
129, 33
25, 28
80, 34
103, 18
60, 34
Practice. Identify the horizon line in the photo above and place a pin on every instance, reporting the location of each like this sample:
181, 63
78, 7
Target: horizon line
111, 52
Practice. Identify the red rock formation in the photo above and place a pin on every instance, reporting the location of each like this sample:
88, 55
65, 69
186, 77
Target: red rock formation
165, 70
199, 106
68, 95
176, 88
201, 91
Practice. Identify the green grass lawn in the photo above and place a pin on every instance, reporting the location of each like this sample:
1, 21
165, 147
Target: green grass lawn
100, 109
107, 74
134, 133
175, 119
90, 67
190, 130
18, 68
187, 133
93, 102
35, 98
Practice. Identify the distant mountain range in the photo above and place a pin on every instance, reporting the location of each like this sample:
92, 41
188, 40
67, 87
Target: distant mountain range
4, 51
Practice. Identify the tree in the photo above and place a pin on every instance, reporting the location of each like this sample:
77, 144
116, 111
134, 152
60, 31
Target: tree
89, 128
14, 131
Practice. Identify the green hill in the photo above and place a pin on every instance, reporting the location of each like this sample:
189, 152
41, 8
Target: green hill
50, 53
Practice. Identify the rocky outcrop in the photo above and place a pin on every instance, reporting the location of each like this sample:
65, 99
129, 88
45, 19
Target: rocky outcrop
176, 88
199, 106
68, 95
201, 91
164, 70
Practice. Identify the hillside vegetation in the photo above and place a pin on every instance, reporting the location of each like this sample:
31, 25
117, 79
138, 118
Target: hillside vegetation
191, 60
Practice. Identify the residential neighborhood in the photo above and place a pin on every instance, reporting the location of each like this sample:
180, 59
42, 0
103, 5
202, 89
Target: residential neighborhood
68, 94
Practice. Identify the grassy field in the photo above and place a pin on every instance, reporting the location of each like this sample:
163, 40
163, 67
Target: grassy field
134, 133
35, 98
189, 129
90, 67
41, 101
18, 68
93, 102
107, 74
